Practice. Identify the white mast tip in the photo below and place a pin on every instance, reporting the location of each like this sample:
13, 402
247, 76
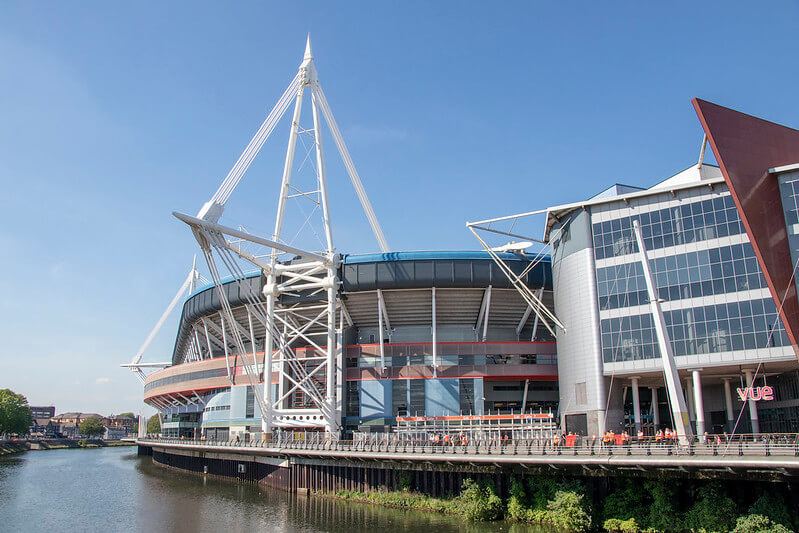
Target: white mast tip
308, 52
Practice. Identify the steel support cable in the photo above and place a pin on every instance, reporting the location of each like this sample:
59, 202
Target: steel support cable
616, 351
353, 173
526, 294
256, 143
210, 239
172, 304
529, 296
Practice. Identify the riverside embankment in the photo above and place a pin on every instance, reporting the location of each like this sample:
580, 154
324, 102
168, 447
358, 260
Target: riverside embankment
8, 447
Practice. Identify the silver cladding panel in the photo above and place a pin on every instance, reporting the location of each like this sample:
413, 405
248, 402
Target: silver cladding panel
579, 352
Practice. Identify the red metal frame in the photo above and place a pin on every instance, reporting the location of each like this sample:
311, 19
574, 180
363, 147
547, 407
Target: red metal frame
746, 147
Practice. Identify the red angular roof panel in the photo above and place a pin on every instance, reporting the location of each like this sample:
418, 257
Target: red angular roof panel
745, 148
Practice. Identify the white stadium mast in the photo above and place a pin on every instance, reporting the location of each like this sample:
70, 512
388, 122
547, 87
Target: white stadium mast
308, 275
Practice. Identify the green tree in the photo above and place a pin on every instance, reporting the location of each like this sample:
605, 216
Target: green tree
91, 427
126, 414
568, 511
755, 523
480, 501
15, 415
771, 505
154, 425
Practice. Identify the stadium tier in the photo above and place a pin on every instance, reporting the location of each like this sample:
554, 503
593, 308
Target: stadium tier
491, 354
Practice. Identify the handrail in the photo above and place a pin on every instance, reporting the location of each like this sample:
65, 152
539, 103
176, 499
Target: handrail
783, 445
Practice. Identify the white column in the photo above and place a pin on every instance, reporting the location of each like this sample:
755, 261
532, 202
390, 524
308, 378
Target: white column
689, 392
655, 408
728, 404
699, 403
752, 404
636, 404
435, 332
269, 343
673, 388
330, 371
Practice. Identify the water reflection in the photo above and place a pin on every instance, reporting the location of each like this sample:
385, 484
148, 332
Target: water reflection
113, 490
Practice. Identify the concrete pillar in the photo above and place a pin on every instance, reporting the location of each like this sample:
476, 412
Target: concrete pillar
636, 404
752, 403
655, 408
728, 405
699, 403
689, 392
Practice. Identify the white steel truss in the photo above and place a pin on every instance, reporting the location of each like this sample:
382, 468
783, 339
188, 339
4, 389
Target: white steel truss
301, 343
543, 315
135, 365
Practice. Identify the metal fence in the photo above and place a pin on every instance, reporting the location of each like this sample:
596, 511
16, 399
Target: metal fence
740, 445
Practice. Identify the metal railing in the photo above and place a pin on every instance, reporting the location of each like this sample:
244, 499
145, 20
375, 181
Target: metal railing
782, 445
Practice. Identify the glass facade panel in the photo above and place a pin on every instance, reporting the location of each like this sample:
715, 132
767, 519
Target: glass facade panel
789, 192
691, 275
681, 224
734, 326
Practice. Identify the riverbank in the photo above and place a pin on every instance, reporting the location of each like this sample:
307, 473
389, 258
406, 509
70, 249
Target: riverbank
62, 444
17, 446
627, 505
9, 447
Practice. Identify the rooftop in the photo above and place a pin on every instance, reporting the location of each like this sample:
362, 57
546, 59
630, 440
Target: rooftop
693, 176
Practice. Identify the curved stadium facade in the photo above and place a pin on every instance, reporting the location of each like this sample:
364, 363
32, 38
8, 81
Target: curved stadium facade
456, 339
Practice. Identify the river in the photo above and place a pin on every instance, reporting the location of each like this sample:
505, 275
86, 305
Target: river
111, 489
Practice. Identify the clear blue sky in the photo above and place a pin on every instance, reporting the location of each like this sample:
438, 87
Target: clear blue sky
113, 115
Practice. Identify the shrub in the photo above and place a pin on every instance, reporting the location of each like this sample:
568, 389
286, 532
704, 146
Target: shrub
480, 502
517, 504
405, 481
625, 526
627, 501
712, 511
567, 511
772, 506
663, 514
755, 523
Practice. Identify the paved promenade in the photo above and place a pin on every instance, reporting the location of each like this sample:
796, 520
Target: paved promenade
779, 456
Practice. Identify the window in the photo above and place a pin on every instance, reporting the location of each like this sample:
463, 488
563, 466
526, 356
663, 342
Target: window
466, 395
712, 329
686, 223
719, 270
249, 411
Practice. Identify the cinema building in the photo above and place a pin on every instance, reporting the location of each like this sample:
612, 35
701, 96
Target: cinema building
722, 245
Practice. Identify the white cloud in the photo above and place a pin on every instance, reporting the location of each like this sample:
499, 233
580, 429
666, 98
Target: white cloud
102, 381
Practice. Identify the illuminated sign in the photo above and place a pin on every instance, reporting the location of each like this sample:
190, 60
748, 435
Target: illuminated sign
755, 393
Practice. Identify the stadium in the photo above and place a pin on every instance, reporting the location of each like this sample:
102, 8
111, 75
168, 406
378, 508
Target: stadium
456, 339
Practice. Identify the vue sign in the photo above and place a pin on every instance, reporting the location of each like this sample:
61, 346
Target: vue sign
755, 393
